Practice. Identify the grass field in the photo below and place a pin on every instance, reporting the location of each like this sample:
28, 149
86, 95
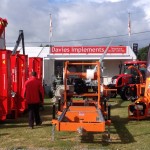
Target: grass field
125, 134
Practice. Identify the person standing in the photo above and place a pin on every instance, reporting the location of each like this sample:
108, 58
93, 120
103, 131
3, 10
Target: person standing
34, 93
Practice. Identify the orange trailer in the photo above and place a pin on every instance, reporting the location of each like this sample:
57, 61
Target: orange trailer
83, 107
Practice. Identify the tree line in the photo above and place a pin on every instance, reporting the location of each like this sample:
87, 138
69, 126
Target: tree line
143, 53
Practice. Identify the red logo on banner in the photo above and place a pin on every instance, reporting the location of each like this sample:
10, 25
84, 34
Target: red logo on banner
86, 49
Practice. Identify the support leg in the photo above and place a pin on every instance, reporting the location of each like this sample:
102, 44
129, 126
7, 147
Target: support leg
53, 132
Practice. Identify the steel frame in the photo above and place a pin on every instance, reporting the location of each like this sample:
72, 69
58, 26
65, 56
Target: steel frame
82, 115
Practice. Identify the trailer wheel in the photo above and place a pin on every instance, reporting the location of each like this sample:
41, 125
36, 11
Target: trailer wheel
125, 93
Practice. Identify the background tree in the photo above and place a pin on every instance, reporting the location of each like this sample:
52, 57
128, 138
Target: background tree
142, 53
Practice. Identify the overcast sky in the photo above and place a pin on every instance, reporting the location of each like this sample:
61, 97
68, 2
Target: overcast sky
77, 22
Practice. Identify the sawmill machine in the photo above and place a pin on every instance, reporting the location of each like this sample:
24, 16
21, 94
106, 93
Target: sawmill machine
140, 108
83, 105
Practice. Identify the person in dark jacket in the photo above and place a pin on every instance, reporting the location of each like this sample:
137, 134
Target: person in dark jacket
34, 93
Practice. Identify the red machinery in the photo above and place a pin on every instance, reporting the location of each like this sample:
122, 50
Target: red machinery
36, 64
13, 74
83, 107
3, 24
140, 109
5, 81
19, 74
124, 81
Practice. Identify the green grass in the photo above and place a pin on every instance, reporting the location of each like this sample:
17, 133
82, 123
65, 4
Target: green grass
125, 134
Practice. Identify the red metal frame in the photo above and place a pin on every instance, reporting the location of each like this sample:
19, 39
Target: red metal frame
138, 62
5, 81
19, 74
36, 64
3, 24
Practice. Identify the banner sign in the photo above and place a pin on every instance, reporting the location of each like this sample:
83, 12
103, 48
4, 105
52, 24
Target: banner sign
87, 49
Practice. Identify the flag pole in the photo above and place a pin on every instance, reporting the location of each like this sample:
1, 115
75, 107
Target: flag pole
50, 32
129, 28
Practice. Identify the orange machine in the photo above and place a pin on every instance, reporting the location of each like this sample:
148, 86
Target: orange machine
136, 89
83, 105
140, 109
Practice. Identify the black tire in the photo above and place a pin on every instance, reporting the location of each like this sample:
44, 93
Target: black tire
125, 93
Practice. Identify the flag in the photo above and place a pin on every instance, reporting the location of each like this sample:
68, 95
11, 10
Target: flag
129, 25
50, 28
